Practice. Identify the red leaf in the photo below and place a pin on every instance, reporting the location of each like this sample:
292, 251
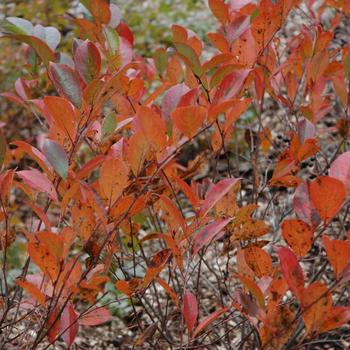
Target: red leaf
190, 310
292, 271
215, 193
95, 317
328, 195
208, 234
38, 181
66, 325
40, 47
87, 61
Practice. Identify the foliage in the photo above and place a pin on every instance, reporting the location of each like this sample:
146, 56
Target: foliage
107, 197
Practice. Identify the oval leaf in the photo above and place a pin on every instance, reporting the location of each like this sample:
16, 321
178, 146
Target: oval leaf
87, 61
190, 310
38, 181
298, 234
292, 271
328, 196
57, 157
95, 317
66, 82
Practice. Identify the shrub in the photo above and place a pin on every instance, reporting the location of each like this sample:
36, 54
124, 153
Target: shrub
210, 193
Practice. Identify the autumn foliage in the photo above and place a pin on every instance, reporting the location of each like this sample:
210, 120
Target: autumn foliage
105, 203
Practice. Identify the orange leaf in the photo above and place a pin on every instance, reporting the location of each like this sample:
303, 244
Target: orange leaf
258, 260
63, 114
169, 290
100, 10
317, 303
153, 127
220, 10
336, 317
129, 287
338, 253
113, 179
254, 289
156, 265
44, 259
298, 234
137, 152
328, 195
171, 214
189, 119
171, 244
33, 290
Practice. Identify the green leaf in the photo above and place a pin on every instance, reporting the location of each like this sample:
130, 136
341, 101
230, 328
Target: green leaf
109, 125
190, 57
66, 82
160, 58
57, 157
112, 38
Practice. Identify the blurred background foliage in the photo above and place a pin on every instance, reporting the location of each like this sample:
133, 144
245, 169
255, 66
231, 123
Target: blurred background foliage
150, 20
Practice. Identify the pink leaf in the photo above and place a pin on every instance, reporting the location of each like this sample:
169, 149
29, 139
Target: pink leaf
209, 233
216, 193
96, 317
38, 181
340, 169
303, 206
171, 99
